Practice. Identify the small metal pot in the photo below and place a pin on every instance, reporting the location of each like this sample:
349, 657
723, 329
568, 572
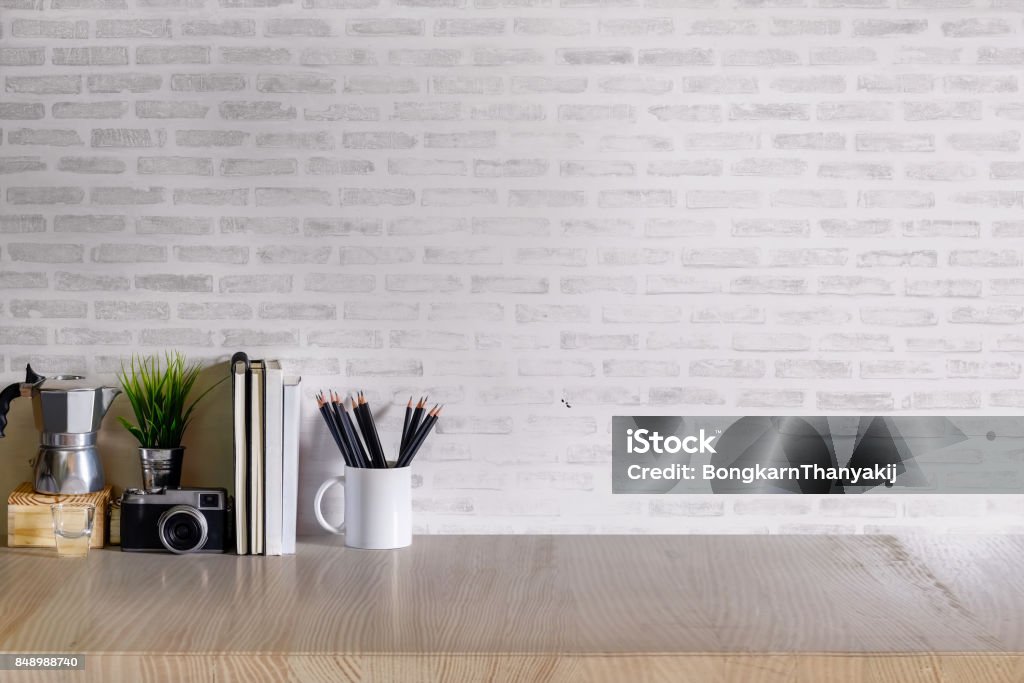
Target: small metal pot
161, 468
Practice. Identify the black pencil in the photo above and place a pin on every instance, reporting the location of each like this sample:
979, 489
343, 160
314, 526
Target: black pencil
361, 429
374, 436
414, 445
333, 404
417, 440
367, 432
405, 427
414, 434
367, 452
359, 410
350, 431
336, 409
324, 412
336, 415
414, 424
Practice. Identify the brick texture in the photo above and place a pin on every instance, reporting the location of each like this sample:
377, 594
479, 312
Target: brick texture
540, 212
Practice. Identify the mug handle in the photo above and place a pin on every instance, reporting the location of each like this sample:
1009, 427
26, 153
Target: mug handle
318, 503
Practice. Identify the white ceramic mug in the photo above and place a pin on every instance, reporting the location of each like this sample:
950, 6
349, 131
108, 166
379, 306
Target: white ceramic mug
378, 507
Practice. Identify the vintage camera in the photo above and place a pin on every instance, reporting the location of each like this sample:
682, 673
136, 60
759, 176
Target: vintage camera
186, 520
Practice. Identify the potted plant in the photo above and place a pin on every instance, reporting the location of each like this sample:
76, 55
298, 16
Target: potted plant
158, 393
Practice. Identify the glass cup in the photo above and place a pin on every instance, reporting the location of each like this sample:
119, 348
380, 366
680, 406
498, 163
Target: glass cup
72, 528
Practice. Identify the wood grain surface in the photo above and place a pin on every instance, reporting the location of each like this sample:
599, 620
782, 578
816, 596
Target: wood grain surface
688, 668
535, 608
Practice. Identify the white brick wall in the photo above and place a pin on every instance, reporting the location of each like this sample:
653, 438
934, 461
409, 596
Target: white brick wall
626, 206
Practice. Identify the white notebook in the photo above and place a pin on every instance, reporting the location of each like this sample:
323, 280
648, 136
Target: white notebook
273, 464
240, 439
256, 441
290, 464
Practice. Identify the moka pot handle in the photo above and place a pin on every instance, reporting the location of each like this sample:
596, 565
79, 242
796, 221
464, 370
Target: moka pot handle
13, 391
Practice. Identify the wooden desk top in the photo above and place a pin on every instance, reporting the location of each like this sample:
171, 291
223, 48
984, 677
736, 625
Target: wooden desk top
529, 595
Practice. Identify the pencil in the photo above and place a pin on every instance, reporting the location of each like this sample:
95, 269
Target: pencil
367, 451
374, 436
359, 409
414, 423
336, 412
360, 419
414, 445
417, 440
321, 404
355, 420
419, 430
405, 426
333, 404
350, 430
364, 427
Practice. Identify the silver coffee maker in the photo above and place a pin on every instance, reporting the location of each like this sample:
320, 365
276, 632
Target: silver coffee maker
68, 411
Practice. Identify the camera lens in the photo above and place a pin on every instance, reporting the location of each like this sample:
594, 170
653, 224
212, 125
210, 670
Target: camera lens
182, 529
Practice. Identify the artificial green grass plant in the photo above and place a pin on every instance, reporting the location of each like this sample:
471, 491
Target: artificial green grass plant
158, 392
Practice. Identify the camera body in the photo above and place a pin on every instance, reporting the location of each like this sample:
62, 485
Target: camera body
185, 520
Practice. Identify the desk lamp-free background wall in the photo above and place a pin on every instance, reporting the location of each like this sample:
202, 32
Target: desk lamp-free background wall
664, 207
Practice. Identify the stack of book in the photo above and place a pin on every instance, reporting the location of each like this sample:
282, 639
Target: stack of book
266, 456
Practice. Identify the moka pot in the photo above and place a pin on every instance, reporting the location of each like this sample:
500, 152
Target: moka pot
68, 411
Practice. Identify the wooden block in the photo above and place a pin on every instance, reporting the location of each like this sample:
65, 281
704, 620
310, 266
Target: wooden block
114, 522
30, 524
